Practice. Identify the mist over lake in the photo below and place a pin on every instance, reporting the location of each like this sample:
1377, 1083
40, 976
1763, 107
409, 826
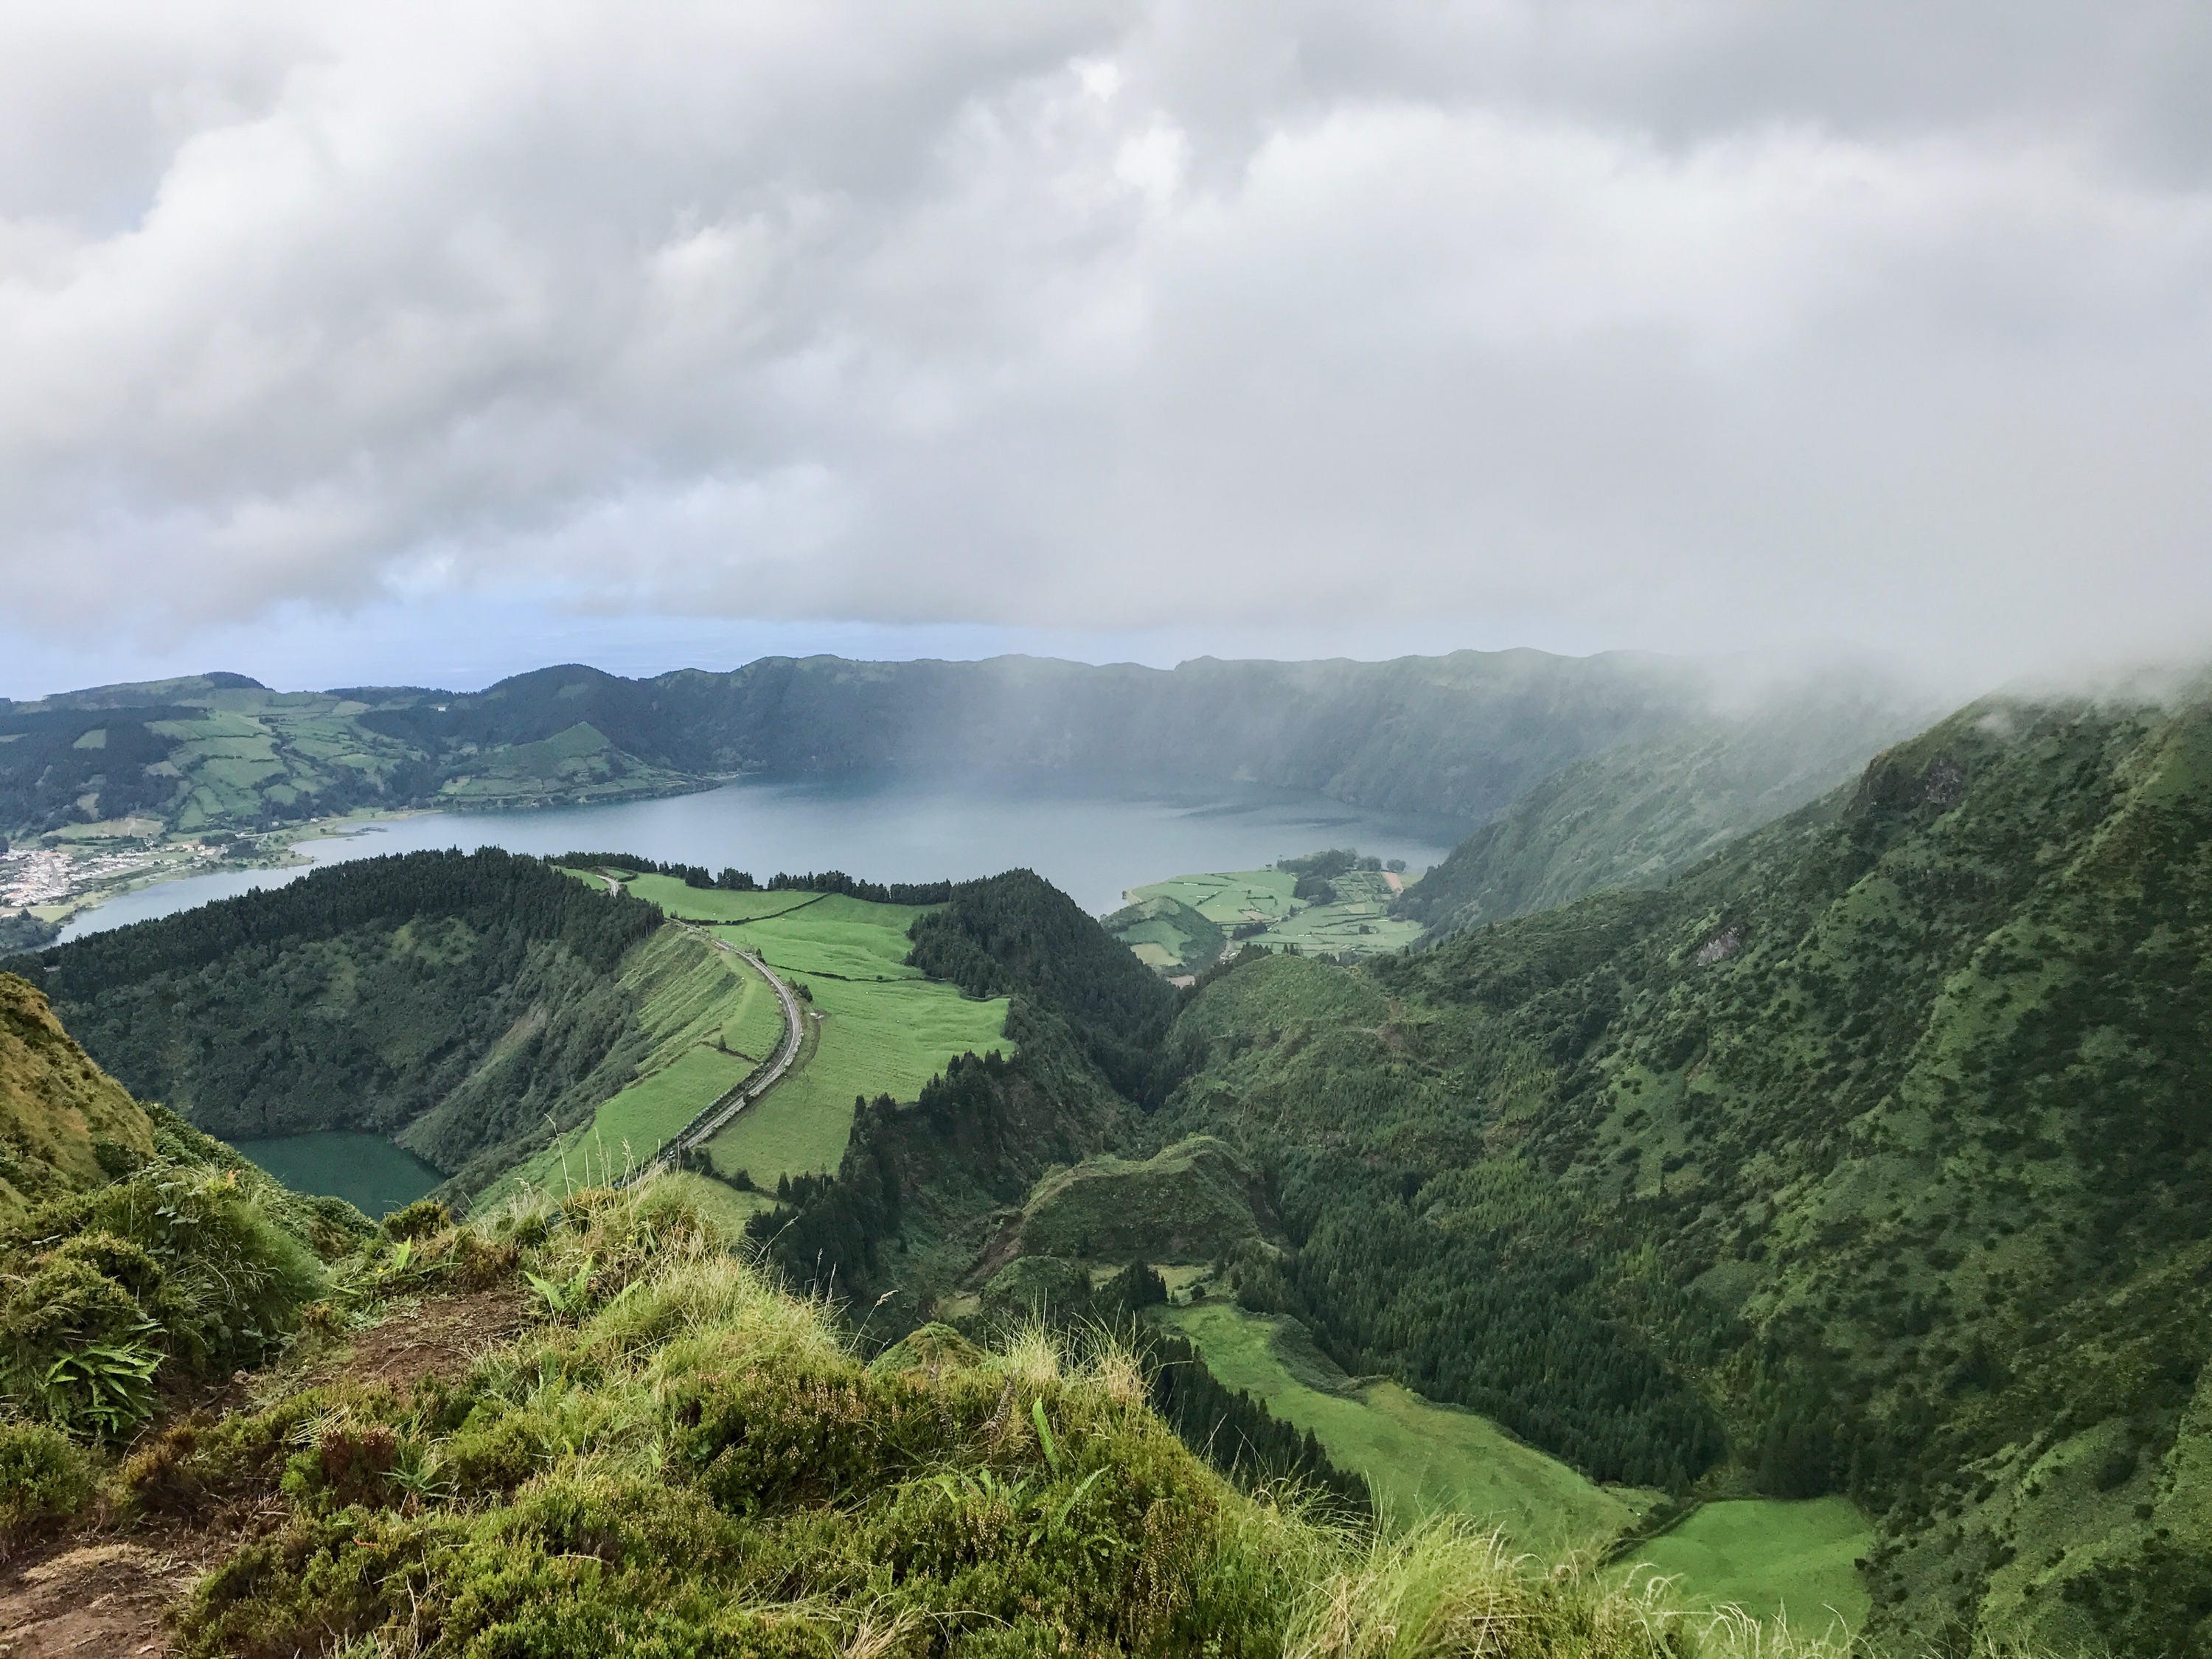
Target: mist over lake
1091, 845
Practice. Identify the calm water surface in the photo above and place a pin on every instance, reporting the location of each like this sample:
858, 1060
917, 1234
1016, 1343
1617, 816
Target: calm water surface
1091, 847
367, 1171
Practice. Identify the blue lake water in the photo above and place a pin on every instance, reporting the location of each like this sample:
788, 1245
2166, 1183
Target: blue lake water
1091, 846
367, 1171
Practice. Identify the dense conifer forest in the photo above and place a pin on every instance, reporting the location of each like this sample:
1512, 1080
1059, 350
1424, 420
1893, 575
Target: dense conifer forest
472, 995
1872, 1154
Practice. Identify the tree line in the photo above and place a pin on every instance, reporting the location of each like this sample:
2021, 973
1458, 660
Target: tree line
523, 892
733, 880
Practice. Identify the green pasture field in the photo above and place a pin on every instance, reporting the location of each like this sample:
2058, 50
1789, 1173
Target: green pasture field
755, 1027
655, 1107
577, 764
1330, 930
1154, 955
1360, 922
1159, 943
1768, 1556
886, 1029
1419, 1457
711, 1020
1168, 936
305, 752
874, 1038
1226, 898
251, 745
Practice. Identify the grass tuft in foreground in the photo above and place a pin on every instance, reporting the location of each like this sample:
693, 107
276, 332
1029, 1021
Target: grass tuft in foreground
676, 1457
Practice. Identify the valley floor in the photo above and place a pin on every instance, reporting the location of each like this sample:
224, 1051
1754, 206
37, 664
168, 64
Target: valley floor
1420, 1457
1771, 1557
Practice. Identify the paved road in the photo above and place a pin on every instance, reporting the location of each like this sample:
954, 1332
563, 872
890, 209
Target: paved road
716, 1117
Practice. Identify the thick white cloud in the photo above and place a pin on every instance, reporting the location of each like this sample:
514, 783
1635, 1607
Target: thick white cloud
1695, 325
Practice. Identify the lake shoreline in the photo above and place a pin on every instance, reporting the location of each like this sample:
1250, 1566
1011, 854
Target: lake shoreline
1092, 844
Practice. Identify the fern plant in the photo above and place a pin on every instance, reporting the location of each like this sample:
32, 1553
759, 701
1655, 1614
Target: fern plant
103, 1389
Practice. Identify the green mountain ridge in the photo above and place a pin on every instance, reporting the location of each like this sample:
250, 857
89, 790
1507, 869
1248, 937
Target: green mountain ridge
1634, 814
1869, 1155
1896, 1114
1458, 736
471, 1004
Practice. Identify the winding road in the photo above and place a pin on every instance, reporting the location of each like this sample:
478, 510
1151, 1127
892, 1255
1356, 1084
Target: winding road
717, 1115
711, 1122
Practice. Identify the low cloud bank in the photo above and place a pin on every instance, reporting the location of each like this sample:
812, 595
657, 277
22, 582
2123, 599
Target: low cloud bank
1698, 332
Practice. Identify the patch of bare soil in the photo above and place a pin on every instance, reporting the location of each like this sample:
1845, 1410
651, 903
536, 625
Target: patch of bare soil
99, 1600
102, 1597
441, 1338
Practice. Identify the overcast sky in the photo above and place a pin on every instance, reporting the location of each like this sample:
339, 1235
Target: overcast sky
427, 343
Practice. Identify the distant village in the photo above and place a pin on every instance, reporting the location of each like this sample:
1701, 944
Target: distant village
30, 877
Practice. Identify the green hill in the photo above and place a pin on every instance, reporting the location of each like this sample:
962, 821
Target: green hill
1460, 736
1869, 1156
60, 1114
461, 1000
877, 1025
139, 1260
1632, 815
1193, 1202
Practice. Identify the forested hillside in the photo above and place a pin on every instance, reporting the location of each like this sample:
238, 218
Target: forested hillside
473, 996
1634, 814
915, 1197
1874, 1155
1871, 1156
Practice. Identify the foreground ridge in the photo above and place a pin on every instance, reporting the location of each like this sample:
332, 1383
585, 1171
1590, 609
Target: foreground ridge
625, 1437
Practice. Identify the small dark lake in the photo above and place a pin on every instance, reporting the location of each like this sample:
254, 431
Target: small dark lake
367, 1171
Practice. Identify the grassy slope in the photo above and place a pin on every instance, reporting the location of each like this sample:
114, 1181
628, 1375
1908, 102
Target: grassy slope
55, 1105
1772, 1558
1192, 1202
709, 1019
152, 1257
1418, 1456
883, 1029
683, 1460
874, 1039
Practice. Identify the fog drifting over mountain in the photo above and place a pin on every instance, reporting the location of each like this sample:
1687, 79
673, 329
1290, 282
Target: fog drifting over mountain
1238, 326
